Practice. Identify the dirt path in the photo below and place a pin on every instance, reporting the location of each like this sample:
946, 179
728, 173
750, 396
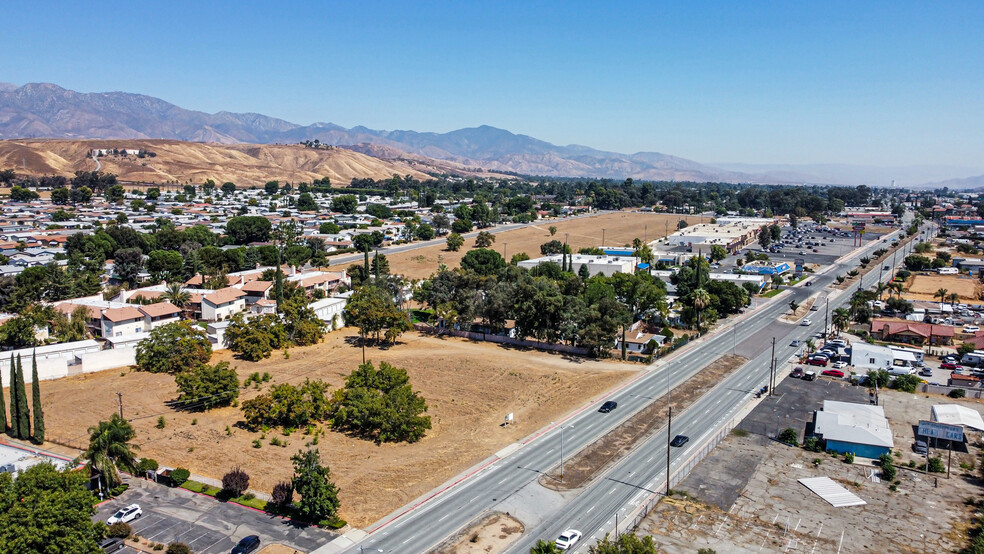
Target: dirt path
582, 467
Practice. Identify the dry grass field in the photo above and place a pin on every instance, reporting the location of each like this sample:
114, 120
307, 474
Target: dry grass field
469, 388
924, 287
617, 229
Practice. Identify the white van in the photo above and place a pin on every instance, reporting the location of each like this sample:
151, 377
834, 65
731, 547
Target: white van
948, 271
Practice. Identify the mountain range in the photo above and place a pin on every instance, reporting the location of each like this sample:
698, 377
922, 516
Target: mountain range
44, 110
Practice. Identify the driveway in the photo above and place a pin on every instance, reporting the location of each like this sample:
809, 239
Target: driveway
205, 524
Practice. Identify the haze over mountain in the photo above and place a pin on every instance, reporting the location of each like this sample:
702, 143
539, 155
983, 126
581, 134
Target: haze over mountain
39, 110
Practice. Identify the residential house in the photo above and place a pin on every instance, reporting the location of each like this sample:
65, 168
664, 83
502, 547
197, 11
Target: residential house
330, 310
256, 290
642, 338
117, 322
263, 306
160, 314
911, 332
223, 304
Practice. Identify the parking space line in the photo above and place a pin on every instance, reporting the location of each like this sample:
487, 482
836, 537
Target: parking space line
157, 534
213, 544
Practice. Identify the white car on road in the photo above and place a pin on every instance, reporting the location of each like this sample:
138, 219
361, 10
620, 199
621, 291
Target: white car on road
567, 539
125, 515
806, 322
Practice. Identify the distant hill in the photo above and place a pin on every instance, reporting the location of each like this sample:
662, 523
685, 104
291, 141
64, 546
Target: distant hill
39, 110
180, 162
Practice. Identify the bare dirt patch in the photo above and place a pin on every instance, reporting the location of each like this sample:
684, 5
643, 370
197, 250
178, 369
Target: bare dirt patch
617, 229
924, 287
490, 535
469, 388
582, 467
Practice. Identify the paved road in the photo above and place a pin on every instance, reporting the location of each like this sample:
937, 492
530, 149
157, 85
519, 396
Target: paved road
509, 482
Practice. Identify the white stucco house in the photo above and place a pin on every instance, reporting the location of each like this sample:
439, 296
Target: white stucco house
328, 308
117, 322
223, 304
159, 314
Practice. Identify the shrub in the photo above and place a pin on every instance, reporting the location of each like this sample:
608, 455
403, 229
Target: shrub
812, 444
957, 393
179, 476
161, 422
147, 464
888, 471
178, 548
789, 436
235, 482
849, 458
207, 386
257, 443
119, 530
283, 493
936, 465
288, 406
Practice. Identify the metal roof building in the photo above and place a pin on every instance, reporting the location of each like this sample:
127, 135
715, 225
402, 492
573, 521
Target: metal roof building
858, 428
954, 414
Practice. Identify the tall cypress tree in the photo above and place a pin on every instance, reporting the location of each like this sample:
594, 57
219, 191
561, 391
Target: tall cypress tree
36, 397
278, 287
23, 412
13, 397
3, 413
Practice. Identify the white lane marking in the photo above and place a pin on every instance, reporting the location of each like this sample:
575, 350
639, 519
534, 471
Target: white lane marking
444, 517
589, 510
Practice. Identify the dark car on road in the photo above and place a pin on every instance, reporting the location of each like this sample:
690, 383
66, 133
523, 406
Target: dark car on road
679, 440
608, 406
247, 545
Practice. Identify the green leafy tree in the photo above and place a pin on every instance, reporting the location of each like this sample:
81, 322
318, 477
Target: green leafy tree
256, 338
373, 310
483, 261
164, 265
484, 239
306, 203
173, 348
329, 228
287, 405
271, 187
424, 232
36, 398
312, 482
247, 229
789, 436
3, 412
628, 543
545, 547
47, 510
128, 264
110, 449
344, 203
228, 187
207, 386
718, 253
302, 326
455, 242
381, 405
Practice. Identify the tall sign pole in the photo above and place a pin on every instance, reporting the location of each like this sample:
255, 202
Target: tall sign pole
772, 369
669, 423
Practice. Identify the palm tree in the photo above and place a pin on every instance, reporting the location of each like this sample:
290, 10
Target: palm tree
544, 547
954, 297
880, 289
841, 318
175, 295
701, 299
110, 449
942, 294
897, 287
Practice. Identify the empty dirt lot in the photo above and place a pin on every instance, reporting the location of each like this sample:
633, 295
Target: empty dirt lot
617, 229
924, 287
469, 388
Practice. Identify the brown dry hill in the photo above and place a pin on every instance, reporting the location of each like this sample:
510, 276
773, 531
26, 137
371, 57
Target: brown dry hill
243, 164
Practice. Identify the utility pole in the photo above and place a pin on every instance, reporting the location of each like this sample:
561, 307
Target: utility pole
826, 319
603, 237
120, 396
669, 424
772, 369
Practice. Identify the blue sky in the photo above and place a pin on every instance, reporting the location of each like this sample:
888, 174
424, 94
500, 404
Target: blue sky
879, 83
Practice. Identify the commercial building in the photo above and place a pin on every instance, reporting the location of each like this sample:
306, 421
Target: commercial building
606, 265
858, 428
732, 233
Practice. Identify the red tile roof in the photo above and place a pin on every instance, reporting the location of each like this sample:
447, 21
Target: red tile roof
895, 326
122, 314
224, 296
160, 309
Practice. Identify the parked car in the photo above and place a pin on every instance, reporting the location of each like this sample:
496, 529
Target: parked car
926, 372
125, 515
817, 361
950, 359
112, 544
920, 447
971, 329
608, 406
833, 373
797, 372
247, 545
837, 343
567, 539
809, 376
839, 365
679, 440
950, 365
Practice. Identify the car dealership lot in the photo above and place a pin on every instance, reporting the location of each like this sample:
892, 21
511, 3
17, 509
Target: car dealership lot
205, 524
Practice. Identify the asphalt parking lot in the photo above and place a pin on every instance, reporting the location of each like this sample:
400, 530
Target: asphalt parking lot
205, 524
794, 402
